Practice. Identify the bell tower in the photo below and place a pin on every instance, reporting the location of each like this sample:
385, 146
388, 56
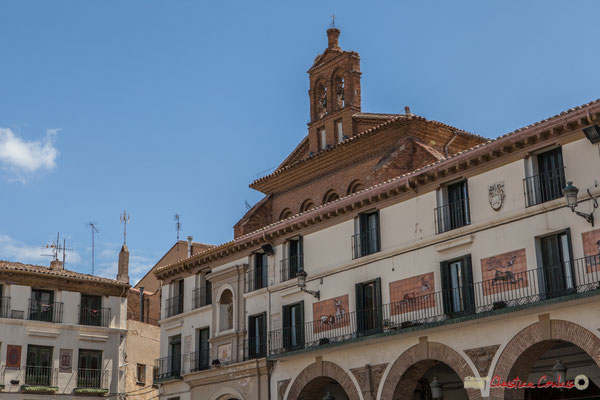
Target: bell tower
334, 94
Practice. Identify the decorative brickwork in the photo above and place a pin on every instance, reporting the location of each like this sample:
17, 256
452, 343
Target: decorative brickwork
406, 371
281, 388
316, 372
482, 358
523, 350
368, 378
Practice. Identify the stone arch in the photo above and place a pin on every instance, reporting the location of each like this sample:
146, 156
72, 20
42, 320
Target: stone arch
522, 351
227, 291
306, 205
330, 195
226, 393
285, 214
354, 186
414, 362
321, 369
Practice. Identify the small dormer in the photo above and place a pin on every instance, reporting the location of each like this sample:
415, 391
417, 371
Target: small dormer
334, 94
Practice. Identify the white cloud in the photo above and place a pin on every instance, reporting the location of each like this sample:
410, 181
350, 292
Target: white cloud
13, 250
23, 158
138, 265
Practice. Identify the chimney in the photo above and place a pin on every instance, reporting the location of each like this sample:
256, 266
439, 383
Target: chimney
332, 35
407, 110
123, 272
141, 304
56, 264
190, 246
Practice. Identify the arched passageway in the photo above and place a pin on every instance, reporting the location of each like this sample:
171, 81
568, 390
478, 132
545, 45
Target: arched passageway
322, 377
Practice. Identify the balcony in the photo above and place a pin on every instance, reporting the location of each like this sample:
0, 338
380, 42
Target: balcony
505, 291
174, 306
94, 317
544, 187
452, 216
201, 296
48, 312
39, 380
290, 266
256, 278
4, 307
255, 347
365, 243
91, 381
200, 360
167, 368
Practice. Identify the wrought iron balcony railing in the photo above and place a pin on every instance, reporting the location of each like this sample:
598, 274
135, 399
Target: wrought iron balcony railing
167, 368
365, 243
94, 317
452, 216
290, 266
255, 347
201, 296
544, 187
4, 307
257, 278
505, 290
174, 306
92, 378
39, 376
49, 312
200, 360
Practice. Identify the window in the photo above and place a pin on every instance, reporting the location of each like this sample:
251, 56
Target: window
354, 187
323, 138
257, 277
89, 369
257, 343
545, 177
226, 311
453, 207
141, 374
38, 370
307, 205
90, 310
42, 306
293, 325
557, 265
368, 306
4, 304
175, 303
200, 361
330, 195
293, 264
202, 295
339, 131
457, 285
174, 361
366, 239
285, 214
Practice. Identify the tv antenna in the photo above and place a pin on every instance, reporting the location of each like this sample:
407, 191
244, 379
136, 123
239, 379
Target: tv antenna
248, 206
56, 248
124, 220
94, 230
177, 218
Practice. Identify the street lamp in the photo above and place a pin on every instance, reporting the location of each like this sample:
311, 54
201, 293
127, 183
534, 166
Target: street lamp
570, 191
301, 275
436, 389
328, 396
560, 372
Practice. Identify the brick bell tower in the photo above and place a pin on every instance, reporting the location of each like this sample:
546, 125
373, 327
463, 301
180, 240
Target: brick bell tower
334, 94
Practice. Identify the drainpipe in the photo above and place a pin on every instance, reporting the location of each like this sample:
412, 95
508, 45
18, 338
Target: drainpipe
189, 249
449, 143
141, 304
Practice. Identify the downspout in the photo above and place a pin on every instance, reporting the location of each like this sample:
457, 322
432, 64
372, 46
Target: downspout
141, 304
449, 143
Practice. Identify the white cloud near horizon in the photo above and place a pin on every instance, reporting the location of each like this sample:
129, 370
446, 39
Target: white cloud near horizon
22, 158
13, 250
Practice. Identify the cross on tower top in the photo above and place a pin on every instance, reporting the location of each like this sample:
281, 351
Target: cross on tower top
332, 21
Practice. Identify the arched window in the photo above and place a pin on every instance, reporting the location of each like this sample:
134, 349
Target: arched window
338, 84
226, 311
330, 195
285, 214
307, 205
321, 99
354, 186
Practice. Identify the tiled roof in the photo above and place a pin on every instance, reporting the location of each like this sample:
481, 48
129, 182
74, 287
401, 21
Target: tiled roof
59, 273
508, 136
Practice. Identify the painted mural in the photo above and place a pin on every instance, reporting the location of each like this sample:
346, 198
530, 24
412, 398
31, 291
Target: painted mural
504, 272
411, 294
331, 314
591, 249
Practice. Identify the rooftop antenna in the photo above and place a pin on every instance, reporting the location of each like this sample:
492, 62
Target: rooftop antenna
177, 218
56, 248
332, 21
248, 206
94, 229
124, 220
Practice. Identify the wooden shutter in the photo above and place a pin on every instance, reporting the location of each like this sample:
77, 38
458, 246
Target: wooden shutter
285, 331
378, 301
468, 292
360, 312
378, 231
446, 287
300, 254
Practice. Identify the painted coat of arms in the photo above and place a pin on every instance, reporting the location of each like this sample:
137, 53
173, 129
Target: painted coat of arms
496, 195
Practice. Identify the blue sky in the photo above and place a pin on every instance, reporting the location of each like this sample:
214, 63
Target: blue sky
159, 107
